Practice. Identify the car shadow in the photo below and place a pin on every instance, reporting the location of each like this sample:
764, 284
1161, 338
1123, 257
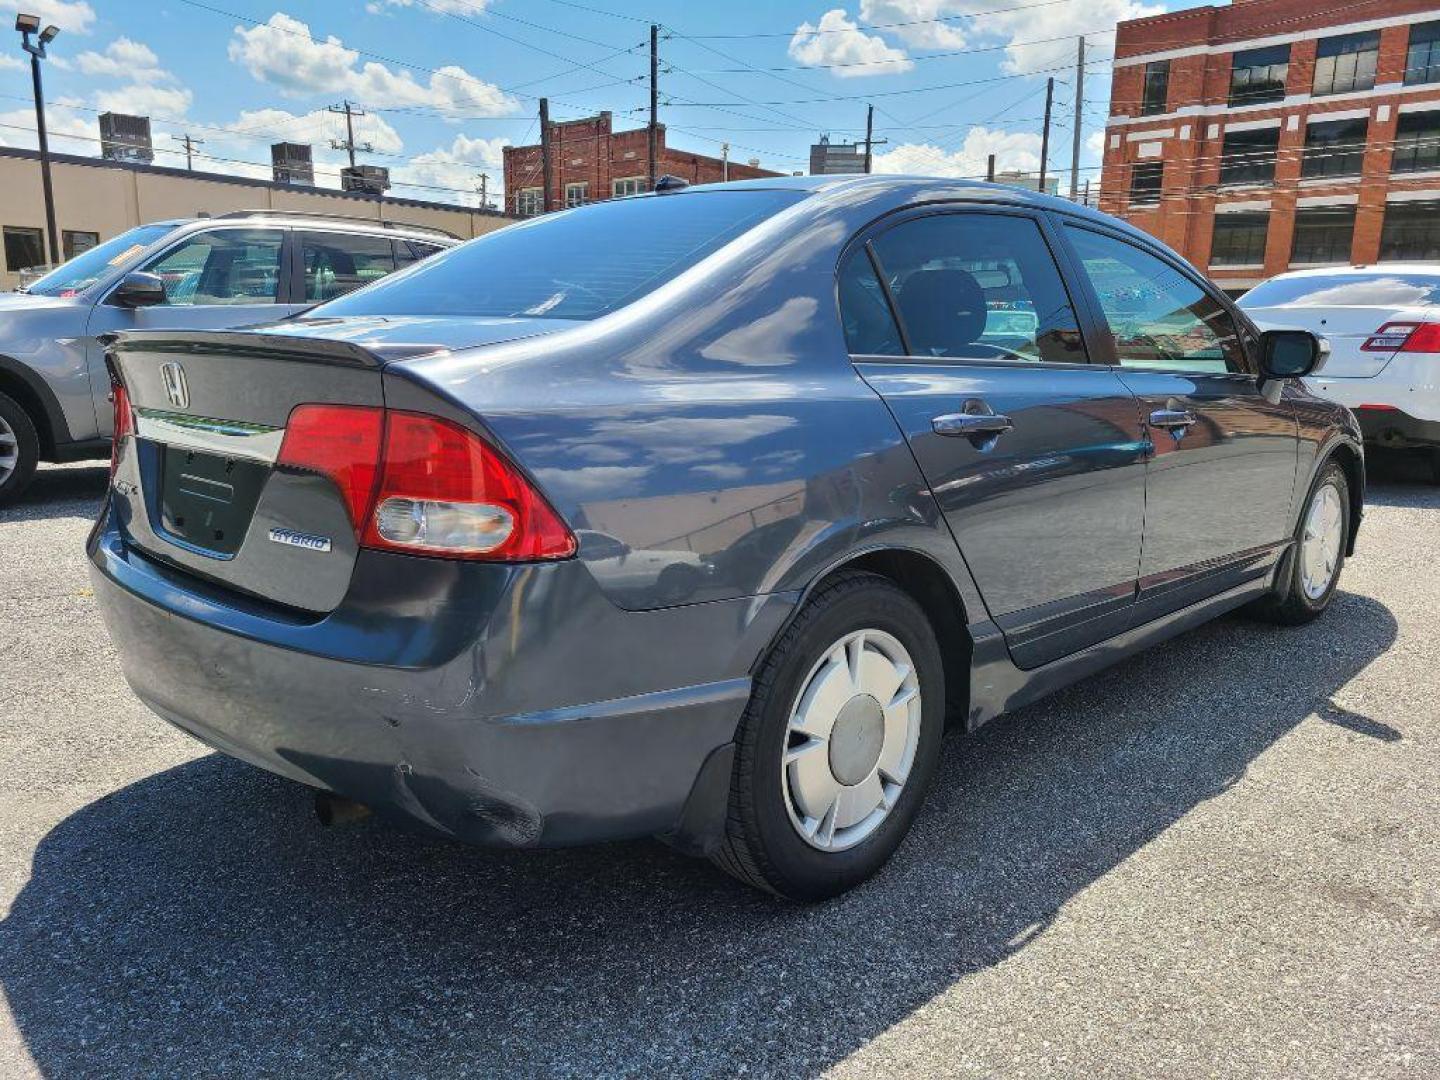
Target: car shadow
60, 492
1398, 478
199, 922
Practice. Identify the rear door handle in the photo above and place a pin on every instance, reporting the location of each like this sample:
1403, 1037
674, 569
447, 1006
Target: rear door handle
970, 424
1175, 421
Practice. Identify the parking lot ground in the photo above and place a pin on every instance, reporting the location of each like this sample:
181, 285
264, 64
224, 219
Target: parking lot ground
1219, 858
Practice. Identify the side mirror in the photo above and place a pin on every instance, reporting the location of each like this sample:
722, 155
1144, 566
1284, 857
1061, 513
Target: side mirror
1291, 354
139, 289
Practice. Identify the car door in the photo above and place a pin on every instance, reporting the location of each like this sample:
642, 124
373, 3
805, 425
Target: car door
214, 279
960, 319
1221, 476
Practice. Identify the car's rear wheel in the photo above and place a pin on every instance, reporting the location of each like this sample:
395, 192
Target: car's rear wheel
19, 449
1314, 567
838, 744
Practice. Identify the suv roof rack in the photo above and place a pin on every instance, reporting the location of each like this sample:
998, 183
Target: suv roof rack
379, 222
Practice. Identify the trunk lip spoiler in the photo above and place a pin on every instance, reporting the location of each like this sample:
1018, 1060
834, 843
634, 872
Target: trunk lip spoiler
258, 343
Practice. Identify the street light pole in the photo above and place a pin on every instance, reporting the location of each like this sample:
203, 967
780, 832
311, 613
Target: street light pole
27, 25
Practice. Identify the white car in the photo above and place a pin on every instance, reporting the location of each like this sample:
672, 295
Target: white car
1383, 325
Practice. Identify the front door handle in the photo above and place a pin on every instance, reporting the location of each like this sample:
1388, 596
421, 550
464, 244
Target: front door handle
1175, 421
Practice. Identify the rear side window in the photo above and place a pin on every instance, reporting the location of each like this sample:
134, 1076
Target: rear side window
338, 263
412, 251
580, 264
870, 329
1160, 319
978, 286
1329, 290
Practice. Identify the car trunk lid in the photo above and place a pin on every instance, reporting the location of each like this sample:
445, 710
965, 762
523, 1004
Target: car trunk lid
1347, 329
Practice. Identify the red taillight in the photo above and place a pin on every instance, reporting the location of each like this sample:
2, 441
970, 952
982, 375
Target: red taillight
425, 485
124, 421
1410, 337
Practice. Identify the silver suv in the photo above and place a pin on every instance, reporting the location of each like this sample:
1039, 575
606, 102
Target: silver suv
192, 273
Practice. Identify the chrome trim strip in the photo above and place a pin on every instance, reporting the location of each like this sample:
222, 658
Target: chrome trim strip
229, 438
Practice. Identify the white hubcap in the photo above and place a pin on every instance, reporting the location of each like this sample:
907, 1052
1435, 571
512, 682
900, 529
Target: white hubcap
851, 740
1320, 545
9, 450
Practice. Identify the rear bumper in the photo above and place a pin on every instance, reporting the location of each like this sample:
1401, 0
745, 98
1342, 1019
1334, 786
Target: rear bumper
1395, 428
554, 718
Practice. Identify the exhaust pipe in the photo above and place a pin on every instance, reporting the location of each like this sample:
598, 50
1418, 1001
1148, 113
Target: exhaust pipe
332, 809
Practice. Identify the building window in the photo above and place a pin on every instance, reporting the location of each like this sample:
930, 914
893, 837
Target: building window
1258, 75
1239, 239
627, 185
1411, 232
1346, 63
23, 248
1335, 148
1145, 182
529, 201
1323, 235
74, 242
1417, 143
1422, 61
576, 194
1157, 88
1248, 157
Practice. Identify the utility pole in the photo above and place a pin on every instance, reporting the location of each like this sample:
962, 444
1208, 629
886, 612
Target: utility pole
654, 100
870, 141
545, 155
348, 145
27, 25
190, 145
484, 196
990, 168
1045, 136
1079, 110
725, 161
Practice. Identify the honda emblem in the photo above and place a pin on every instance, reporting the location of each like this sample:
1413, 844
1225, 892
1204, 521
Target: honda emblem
176, 388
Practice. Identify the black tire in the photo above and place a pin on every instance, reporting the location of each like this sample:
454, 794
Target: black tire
1289, 605
762, 847
27, 449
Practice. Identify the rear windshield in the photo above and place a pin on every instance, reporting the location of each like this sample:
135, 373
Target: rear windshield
89, 267
1382, 290
579, 264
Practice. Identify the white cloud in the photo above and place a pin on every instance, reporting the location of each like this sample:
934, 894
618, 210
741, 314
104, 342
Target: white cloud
838, 40
457, 7
456, 167
123, 58
70, 132
925, 33
146, 99
1012, 150
73, 16
283, 54
10, 63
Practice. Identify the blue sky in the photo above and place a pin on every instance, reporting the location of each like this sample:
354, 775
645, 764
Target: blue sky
447, 83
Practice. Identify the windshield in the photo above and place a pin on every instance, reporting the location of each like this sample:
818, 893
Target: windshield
580, 264
1381, 290
85, 269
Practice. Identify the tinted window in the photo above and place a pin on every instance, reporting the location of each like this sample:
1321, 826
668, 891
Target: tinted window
869, 327
1146, 182
337, 263
1422, 59
1335, 148
579, 264
1411, 232
228, 266
1346, 63
1323, 234
23, 247
1248, 157
1239, 239
412, 251
1417, 142
1159, 317
78, 241
1329, 290
1258, 75
87, 268
1157, 88
979, 286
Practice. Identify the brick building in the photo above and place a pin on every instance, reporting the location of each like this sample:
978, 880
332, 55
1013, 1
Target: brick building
592, 162
1273, 134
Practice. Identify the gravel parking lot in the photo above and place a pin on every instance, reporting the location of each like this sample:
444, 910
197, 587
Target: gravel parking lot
1219, 858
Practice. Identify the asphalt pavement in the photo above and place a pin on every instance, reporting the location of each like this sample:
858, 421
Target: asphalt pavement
1221, 858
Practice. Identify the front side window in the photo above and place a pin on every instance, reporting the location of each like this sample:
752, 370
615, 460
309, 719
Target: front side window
337, 263
1346, 63
978, 287
529, 202
627, 185
24, 248
1159, 317
1145, 183
1157, 88
577, 265
1417, 142
1411, 233
1239, 239
227, 266
1335, 148
1323, 234
1258, 75
90, 266
1248, 157
77, 242
1422, 59
577, 194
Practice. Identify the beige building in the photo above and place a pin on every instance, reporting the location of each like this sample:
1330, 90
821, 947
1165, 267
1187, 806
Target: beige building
97, 199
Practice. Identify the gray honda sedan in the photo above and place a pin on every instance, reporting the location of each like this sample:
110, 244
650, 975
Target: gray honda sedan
702, 514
